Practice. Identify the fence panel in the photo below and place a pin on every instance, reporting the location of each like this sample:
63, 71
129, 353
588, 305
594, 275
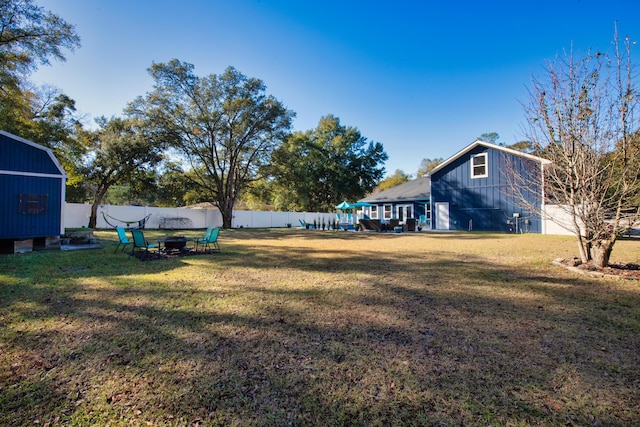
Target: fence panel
557, 221
77, 215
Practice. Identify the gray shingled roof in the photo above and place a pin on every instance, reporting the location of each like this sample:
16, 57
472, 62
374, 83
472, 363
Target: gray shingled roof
418, 189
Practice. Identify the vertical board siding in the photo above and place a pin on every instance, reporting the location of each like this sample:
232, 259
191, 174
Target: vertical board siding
485, 203
15, 225
27, 168
20, 157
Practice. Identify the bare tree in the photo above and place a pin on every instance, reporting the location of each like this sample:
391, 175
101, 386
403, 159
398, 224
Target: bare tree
581, 117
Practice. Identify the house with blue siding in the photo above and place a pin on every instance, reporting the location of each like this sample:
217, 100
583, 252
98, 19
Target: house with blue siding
483, 187
489, 188
403, 204
32, 193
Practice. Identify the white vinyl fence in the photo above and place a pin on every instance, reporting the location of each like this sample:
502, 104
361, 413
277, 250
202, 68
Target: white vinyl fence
77, 216
556, 220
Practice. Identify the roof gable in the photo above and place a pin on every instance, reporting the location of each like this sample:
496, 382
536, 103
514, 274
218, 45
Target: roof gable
479, 143
22, 157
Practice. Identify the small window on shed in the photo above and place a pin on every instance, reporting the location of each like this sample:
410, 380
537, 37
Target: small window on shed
32, 204
479, 165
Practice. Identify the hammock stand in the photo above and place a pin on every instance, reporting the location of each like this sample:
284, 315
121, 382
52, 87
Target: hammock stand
140, 223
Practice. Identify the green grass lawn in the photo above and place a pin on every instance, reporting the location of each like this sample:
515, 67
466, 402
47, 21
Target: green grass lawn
291, 327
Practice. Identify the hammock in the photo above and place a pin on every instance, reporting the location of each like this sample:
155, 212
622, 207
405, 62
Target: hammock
140, 223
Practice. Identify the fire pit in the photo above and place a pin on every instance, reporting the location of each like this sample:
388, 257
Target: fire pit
174, 242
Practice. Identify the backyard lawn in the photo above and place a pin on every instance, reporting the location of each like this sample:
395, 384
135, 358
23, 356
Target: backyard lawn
294, 327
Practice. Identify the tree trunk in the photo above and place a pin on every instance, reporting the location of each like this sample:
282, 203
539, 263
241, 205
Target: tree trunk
227, 215
225, 205
602, 253
583, 249
93, 218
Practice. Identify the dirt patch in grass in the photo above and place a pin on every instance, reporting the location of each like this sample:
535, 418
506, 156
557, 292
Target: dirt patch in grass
615, 269
155, 255
288, 327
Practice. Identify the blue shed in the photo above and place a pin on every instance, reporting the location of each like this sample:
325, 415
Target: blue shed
489, 188
32, 191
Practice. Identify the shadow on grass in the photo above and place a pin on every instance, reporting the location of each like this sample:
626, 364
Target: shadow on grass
264, 335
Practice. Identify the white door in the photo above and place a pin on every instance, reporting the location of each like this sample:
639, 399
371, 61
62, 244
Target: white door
442, 215
405, 212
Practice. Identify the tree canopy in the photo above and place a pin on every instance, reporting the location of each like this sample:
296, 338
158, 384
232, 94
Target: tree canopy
225, 127
30, 36
490, 137
399, 177
428, 164
319, 168
221, 129
121, 152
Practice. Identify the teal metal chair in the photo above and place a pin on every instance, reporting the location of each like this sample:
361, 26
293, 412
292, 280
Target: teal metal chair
141, 245
304, 224
209, 240
124, 241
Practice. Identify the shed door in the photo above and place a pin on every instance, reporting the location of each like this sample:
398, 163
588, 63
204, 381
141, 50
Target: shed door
442, 215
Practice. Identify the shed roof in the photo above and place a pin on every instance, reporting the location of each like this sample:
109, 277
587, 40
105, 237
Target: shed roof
19, 156
415, 190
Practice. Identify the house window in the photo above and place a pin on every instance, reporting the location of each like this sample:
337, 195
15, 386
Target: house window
388, 213
32, 204
479, 167
373, 212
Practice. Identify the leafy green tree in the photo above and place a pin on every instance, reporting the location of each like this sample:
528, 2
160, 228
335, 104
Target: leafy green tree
259, 196
490, 137
319, 168
15, 111
629, 164
524, 146
168, 185
142, 191
122, 152
399, 177
48, 117
427, 164
172, 186
55, 124
30, 36
225, 126
493, 137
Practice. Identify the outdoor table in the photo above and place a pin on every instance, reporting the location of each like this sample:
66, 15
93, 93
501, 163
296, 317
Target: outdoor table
174, 243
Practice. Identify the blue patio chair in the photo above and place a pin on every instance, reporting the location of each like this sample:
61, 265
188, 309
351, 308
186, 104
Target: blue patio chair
141, 245
210, 239
124, 241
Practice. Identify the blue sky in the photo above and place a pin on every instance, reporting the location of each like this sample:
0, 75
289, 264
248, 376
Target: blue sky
424, 78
